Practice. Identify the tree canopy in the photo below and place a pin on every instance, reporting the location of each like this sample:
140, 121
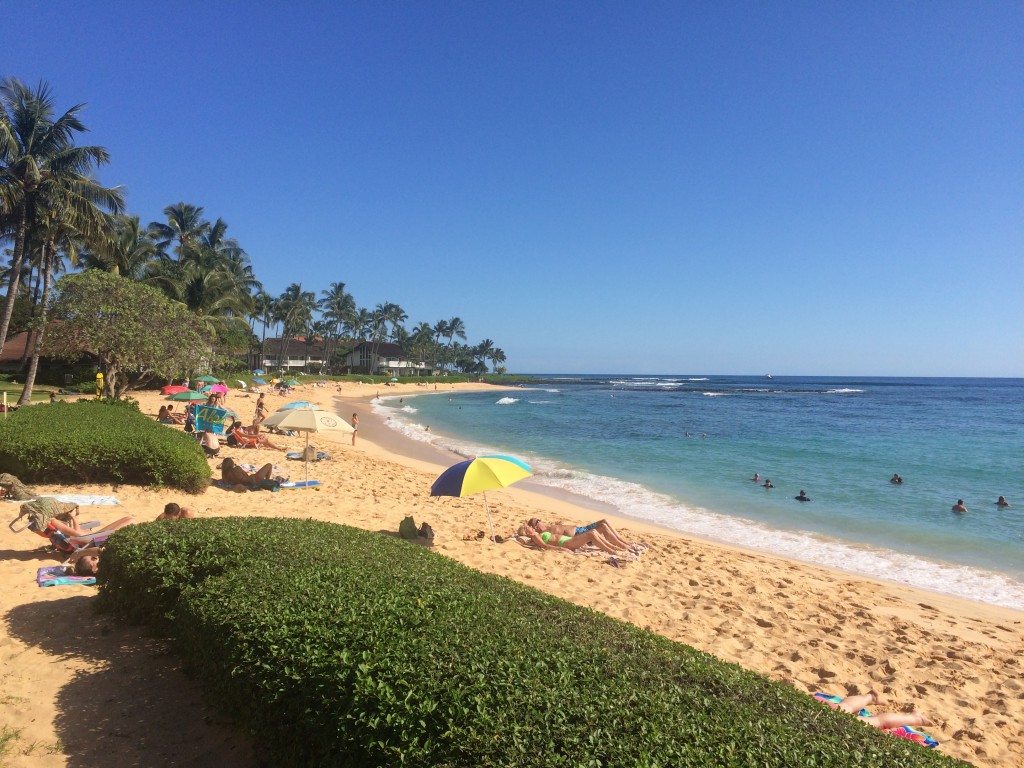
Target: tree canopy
136, 332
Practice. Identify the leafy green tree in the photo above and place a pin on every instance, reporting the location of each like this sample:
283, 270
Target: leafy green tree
129, 251
184, 229
41, 170
137, 333
295, 309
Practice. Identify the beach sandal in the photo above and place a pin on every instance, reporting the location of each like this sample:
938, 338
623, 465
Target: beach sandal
613, 562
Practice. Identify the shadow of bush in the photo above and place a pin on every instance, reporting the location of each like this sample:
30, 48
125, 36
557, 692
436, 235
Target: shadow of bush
134, 706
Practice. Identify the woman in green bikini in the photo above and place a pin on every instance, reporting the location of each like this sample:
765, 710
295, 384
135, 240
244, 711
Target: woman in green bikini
548, 540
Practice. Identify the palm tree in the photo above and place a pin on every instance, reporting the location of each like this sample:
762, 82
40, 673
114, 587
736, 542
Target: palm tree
455, 327
497, 357
483, 349
294, 310
42, 170
129, 251
185, 228
262, 310
339, 308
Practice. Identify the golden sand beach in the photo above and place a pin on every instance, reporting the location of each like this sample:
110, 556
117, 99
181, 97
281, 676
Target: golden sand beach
81, 689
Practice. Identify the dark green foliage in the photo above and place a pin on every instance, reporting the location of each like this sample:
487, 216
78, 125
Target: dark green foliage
105, 441
341, 647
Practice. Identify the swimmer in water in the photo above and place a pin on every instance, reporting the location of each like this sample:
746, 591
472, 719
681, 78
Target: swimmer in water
1002, 502
959, 506
756, 478
768, 484
802, 496
896, 479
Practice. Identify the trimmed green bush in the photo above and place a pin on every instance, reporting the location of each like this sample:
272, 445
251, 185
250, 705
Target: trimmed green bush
99, 441
342, 647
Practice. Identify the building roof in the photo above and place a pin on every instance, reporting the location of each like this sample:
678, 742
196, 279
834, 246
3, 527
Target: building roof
14, 348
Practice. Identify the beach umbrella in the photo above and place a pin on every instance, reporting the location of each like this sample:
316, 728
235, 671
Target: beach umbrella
392, 379
173, 389
258, 381
218, 388
258, 371
208, 379
300, 404
308, 419
188, 396
292, 383
479, 475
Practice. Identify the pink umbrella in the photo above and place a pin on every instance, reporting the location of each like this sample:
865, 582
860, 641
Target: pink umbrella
218, 389
173, 389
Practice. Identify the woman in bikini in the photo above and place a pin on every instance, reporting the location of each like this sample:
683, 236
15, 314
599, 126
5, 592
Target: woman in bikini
603, 528
548, 540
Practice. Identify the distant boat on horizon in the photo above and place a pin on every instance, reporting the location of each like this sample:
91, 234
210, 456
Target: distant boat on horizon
767, 375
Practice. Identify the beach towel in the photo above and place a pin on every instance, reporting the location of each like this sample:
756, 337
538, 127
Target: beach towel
14, 489
61, 576
300, 484
903, 732
83, 499
632, 554
297, 456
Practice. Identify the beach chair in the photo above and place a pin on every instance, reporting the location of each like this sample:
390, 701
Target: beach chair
245, 440
63, 544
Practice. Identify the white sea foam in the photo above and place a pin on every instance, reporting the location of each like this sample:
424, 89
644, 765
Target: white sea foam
553, 391
842, 391
507, 401
713, 394
408, 409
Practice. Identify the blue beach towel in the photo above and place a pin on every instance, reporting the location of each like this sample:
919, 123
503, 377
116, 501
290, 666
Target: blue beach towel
61, 576
903, 732
301, 484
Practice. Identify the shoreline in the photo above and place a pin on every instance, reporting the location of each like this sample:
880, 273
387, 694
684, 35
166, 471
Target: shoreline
807, 626
907, 570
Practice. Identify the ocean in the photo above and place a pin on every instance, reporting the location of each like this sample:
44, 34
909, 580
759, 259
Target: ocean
680, 451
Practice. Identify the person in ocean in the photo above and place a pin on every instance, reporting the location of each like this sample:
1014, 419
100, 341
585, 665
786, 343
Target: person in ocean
959, 506
1002, 502
768, 483
802, 496
896, 479
756, 478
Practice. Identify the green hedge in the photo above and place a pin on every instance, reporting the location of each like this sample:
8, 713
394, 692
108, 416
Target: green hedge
98, 441
341, 647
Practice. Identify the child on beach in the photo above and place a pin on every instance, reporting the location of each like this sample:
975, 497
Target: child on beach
355, 427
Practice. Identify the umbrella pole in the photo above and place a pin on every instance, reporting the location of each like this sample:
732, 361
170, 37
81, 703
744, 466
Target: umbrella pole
489, 521
305, 459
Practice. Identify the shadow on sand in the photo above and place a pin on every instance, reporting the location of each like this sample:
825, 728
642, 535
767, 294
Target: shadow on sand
134, 706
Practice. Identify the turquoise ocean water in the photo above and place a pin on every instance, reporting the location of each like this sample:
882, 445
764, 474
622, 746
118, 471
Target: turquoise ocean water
622, 440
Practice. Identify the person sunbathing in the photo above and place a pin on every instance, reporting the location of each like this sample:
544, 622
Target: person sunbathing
548, 540
887, 721
236, 476
603, 527
173, 511
72, 529
262, 440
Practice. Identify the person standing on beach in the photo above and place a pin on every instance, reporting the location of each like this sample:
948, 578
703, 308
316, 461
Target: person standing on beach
959, 507
355, 427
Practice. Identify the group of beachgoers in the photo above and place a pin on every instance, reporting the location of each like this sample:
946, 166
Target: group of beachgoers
959, 507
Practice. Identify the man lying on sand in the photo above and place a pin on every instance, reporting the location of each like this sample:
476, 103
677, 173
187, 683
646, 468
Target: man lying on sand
603, 527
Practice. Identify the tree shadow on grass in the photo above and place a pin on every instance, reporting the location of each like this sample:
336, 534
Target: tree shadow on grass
133, 706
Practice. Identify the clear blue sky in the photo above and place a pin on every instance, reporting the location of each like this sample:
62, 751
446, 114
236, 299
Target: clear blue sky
652, 187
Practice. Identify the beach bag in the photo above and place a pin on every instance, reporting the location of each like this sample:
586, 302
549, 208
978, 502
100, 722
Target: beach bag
309, 454
41, 511
407, 529
426, 532
15, 489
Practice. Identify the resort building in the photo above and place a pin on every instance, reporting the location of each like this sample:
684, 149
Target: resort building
384, 358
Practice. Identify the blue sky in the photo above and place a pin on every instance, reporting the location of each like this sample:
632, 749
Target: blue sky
652, 187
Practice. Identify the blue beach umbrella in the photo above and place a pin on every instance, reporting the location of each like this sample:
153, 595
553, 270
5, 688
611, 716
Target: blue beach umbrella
258, 381
258, 371
300, 404
479, 475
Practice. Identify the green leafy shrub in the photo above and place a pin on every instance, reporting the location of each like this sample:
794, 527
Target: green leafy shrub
343, 647
99, 441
